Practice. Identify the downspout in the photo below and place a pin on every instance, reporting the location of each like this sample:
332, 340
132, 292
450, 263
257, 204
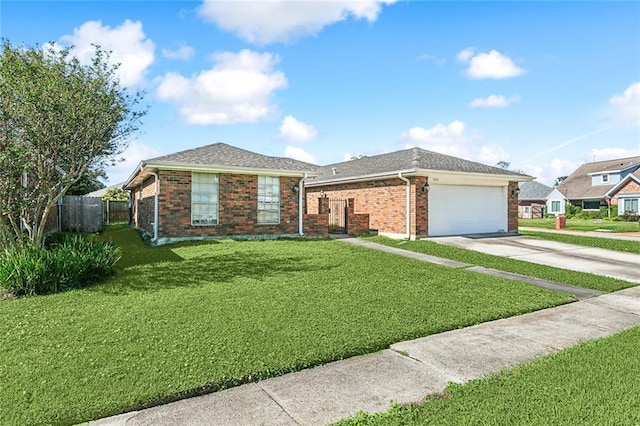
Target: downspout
300, 211
408, 224
155, 206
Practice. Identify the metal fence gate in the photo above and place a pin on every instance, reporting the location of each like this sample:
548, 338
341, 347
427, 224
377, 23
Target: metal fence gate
337, 216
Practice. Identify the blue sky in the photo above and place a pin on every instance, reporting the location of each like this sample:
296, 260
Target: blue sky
543, 85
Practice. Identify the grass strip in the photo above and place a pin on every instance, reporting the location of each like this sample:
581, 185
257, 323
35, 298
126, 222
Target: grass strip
471, 257
194, 318
604, 243
583, 224
593, 383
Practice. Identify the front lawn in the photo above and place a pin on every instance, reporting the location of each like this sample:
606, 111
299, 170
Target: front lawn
583, 224
594, 383
194, 318
471, 257
605, 243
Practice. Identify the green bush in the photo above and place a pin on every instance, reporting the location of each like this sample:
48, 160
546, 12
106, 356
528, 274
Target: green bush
572, 211
66, 262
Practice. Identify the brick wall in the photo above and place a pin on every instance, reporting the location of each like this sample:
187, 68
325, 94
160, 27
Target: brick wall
143, 199
238, 207
632, 187
384, 201
512, 212
357, 223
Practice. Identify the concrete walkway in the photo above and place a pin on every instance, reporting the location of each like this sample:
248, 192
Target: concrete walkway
628, 236
407, 372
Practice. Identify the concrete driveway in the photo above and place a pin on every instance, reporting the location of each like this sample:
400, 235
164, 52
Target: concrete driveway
625, 266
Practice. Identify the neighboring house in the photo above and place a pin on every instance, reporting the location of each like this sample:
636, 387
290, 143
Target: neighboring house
556, 203
100, 192
416, 193
218, 191
532, 199
626, 194
597, 184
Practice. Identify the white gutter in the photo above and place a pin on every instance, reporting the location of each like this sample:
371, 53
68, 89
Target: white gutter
155, 207
300, 211
408, 224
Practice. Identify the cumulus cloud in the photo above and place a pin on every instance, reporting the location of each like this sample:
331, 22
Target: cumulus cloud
602, 154
493, 65
626, 107
272, 21
493, 101
492, 154
299, 154
294, 131
128, 44
184, 53
547, 173
237, 89
132, 156
450, 139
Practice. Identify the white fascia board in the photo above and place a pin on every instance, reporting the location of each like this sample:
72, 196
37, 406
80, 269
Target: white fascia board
452, 176
133, 175
226, 169
620, 184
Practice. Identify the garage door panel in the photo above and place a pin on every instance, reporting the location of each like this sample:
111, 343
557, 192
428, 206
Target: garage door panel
457, 209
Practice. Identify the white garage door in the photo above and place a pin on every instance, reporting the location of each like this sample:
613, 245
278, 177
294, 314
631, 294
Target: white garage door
456, 209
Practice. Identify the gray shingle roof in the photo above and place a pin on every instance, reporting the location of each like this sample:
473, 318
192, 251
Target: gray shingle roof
221, 154
533, 190
578, 184
408, 159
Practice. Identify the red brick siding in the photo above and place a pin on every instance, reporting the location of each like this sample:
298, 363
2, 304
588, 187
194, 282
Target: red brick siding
238, 207
384, 201
357, 223
512, 212
316, 224
630, 188
143, 205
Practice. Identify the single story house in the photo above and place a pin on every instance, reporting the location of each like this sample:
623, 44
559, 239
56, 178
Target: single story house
597, 184
416, 193
532, 199
217, 191
220, 191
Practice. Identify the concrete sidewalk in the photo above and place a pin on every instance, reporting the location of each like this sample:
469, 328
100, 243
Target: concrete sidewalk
628, 236
407, 372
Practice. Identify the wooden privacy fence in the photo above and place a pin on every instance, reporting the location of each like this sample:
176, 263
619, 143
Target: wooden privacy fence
81, 214
116, 211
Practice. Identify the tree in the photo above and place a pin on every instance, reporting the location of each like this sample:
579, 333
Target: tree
89, 182
116, 194
559, 180
59, 119
503, 165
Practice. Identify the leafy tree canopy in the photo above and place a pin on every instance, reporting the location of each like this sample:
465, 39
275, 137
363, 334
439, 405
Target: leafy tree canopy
116, 194
59, 120
89, 182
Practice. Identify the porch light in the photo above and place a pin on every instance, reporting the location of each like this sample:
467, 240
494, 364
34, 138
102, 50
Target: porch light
426, 187
515, 192
295, 188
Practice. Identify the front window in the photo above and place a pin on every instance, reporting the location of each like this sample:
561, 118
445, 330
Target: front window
204, 199
555, 206
631, 205
605, 178
591, 205
268, 199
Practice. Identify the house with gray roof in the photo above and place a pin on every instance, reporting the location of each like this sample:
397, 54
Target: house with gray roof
599, 183
415, 193
219, 190
532, 199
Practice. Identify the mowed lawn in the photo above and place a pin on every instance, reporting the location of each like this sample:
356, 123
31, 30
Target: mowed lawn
594, 383
599, 242
194, 318
583, 224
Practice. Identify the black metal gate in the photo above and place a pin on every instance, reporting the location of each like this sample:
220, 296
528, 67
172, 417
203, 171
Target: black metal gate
337, 216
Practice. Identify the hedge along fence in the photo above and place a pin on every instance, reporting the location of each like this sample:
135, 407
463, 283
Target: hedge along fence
67, 262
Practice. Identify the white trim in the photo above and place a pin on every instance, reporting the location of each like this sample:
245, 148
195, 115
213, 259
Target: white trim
226, 169
621, 184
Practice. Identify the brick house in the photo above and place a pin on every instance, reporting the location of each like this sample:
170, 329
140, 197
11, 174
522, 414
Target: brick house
416, 193
219, 191
626, 194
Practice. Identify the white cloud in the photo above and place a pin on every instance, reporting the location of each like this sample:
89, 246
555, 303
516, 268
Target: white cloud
294, 131
547, 173
129, 45
449, 139
299, 154
493, 101
492, 154
132, 156
493, 65
626, 107
184, 52
436, 60
602, 154
264, 22
237, 89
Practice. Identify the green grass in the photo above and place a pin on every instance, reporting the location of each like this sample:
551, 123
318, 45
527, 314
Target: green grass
580, 279
583, 224
194, 318
605, 243
594, 383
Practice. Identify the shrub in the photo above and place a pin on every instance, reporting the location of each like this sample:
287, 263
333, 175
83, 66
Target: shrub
66, 262
572, 211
